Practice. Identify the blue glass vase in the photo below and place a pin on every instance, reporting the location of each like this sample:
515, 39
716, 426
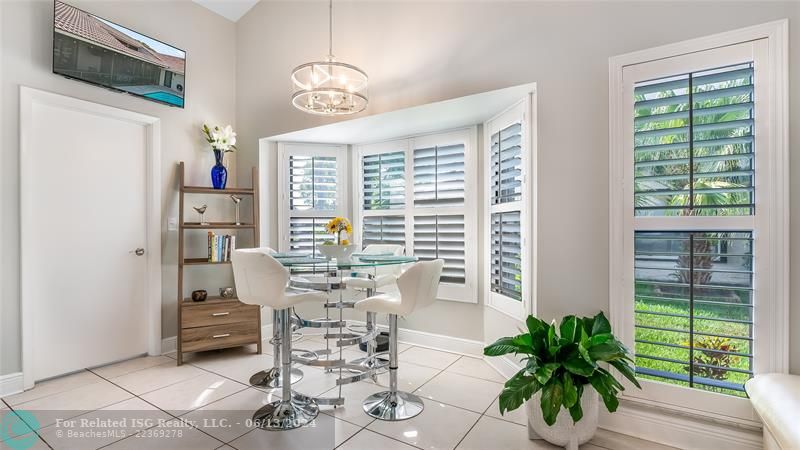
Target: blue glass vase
219, 174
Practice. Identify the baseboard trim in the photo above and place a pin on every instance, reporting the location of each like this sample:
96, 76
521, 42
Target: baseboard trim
169, 345
414, 337
12, 383
669, 428
503, 365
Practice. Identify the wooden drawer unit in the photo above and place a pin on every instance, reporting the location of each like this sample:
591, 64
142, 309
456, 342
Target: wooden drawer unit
219, 336
201, 315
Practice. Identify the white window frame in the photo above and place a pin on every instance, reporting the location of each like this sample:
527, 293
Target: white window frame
523, 111
285, 151
468, 292
769, 50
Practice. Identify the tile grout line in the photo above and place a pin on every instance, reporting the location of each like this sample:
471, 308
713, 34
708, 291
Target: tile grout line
157, 408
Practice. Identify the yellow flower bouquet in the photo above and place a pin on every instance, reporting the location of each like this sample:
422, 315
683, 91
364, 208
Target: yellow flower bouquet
336, 226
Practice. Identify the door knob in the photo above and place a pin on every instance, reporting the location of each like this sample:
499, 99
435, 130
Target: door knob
138, 251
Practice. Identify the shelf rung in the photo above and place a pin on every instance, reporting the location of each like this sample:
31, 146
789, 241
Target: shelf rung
215, 225
210, 190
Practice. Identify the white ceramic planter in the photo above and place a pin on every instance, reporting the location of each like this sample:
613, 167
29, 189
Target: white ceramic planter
564, 432
341, 253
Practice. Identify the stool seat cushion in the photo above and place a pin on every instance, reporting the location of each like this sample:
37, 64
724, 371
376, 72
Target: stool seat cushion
365, 283
383, 303
776, 398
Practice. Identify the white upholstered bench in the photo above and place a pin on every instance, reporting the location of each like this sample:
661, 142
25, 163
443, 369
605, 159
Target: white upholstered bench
776, 399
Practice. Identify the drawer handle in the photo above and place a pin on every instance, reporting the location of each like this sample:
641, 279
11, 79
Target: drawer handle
217, 336
220, 314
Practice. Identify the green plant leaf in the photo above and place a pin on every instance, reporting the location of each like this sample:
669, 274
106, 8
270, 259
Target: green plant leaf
578, 365
501, 346
607, 351
601, 383
552, 398
545, 372
600, 324
518, 389
570, 390
535, 325
576, 412
598, 339
626, 370
569, 329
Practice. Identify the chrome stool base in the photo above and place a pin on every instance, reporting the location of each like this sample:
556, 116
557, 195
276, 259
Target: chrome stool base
272, 378
286, 415
393, 406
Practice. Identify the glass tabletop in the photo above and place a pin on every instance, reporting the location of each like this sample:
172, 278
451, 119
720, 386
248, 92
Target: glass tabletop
293, 259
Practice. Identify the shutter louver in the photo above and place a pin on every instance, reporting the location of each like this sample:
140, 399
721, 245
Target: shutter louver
506, 160
694, 144
306, 234
384, 230
384, 181
312, 183
439, 176
694, 308
442, 237
506, 251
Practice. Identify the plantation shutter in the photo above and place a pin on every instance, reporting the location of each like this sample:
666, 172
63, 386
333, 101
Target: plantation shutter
384, 180
306, 234
384, 230
442, 237
506, 161
506, 251
439, 176
694, 143
312, 183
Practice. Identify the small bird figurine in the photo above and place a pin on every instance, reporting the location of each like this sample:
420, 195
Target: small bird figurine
201, 210
236, 201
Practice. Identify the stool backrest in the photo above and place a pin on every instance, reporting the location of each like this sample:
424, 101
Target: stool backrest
394, 249
260, 279
419, 284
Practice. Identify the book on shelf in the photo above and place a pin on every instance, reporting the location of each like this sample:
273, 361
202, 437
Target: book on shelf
220, 247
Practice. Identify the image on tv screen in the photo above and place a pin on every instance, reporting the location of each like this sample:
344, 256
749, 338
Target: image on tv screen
91, 49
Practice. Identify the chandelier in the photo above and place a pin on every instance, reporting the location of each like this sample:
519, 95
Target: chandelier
330, 87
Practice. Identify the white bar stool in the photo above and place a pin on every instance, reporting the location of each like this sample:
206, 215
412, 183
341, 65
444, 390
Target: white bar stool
262, 280
272, 378
418, 287
383, 276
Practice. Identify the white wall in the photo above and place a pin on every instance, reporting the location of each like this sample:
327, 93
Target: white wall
26, 52
418, 52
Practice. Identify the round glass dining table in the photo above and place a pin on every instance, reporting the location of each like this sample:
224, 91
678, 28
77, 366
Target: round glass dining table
331, 276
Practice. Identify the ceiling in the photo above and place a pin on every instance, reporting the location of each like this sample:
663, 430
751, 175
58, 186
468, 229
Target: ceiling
448, 114
232, 10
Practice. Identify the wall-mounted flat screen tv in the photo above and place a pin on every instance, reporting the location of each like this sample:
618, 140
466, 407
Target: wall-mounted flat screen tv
94, 50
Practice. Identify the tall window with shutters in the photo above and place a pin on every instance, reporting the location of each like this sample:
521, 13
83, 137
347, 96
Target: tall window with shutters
696, 244
312, 178
416, 192
509, 205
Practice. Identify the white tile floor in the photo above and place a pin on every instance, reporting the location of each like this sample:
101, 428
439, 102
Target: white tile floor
149, 402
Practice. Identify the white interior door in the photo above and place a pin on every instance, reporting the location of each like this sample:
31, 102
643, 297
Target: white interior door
85, 217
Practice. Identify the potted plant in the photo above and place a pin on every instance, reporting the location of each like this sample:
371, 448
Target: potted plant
342, 250
563, 374
222, 140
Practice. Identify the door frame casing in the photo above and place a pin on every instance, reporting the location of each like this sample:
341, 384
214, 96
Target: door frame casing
28, 98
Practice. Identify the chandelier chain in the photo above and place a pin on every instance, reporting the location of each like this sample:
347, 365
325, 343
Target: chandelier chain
330, 29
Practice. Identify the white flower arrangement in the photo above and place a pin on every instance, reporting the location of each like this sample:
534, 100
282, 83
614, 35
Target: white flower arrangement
222, 139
